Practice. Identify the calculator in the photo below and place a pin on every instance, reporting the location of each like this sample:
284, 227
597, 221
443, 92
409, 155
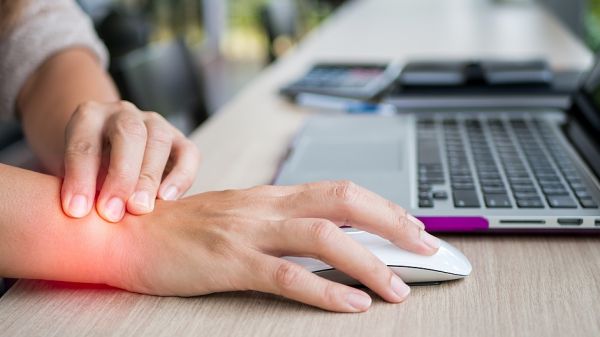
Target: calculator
359, 81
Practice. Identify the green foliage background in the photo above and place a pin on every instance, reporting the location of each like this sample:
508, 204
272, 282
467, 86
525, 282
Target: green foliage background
592, 24
181, 16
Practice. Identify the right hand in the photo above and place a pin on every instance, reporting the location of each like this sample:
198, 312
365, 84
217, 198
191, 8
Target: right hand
233, 240
145, 157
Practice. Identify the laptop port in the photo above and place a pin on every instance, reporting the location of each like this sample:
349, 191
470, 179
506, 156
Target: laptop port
570, 221
523, 222
597, 222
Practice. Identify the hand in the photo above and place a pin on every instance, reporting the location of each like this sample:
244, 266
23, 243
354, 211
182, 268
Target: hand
233, 240
146, 157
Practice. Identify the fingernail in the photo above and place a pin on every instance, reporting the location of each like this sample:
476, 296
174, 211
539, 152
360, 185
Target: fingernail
114, 210
416, 221
170, 193
360, 302
430, 240
78, 206
142, 198
399, 287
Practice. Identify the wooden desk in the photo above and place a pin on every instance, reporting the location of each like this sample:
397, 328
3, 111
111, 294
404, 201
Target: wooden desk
520, 286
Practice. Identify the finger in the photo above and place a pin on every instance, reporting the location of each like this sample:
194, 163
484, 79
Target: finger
156, 155
287, 279
323, 240
186, 160
83, 154
347, 203
127, 134
283, 190
278, 191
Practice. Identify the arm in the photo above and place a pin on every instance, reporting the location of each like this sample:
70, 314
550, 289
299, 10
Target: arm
38, 241
212, 242
51, 96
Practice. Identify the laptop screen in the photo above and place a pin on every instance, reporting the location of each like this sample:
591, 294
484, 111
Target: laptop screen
591, 90
584, 128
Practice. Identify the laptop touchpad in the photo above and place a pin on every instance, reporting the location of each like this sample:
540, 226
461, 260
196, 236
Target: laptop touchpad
350, 156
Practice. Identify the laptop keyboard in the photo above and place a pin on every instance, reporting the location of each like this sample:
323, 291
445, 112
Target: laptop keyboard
517, 164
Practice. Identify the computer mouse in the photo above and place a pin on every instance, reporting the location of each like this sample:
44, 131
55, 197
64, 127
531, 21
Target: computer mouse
445, 265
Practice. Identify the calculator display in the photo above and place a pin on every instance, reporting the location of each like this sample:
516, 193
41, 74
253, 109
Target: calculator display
341, 77
360, 81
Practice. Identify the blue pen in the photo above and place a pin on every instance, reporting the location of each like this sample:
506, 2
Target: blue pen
339, 104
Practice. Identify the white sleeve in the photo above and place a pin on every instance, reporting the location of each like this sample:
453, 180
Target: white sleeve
45, 28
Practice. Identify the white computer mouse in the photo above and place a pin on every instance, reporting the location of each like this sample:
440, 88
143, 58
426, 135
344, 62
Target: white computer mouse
447, 264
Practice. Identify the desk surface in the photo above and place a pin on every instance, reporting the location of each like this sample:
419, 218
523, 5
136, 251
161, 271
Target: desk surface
536, 286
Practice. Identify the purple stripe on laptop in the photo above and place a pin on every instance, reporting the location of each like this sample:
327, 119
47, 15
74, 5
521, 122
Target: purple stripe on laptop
454, 224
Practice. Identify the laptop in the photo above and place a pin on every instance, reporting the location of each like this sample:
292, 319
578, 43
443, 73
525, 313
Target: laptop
467, 170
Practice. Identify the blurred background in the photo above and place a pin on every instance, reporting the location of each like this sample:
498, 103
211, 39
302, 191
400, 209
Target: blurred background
187, 58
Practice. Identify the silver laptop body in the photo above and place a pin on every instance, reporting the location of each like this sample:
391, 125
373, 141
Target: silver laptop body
457, 171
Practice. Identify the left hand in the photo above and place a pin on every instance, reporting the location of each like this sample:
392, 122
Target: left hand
145, 158
233, 240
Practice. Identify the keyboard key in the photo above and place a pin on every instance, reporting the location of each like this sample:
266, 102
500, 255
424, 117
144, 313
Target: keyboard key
425, 203
573, 179
514, 171
472, 122
497, 201
450, 122
588, 203
489, 175
440, 195
578, 186
462, 186
431, 167
431, 174
554, 184
523, 188
513, 164
561, 201
460, 172
459, 166
530, 203
583, 194
462, 179
493, 189
555, 191
517, 174
492, 182
465, 199
519, 180
425, 122
548, 178
542, 170
431, 180
424, 188
526, 195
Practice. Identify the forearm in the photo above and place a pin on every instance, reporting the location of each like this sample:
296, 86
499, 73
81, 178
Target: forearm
53, 93
38, 241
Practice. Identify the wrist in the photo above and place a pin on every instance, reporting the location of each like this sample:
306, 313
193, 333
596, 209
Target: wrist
135, 250
118, 253
78, 251
40, 242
